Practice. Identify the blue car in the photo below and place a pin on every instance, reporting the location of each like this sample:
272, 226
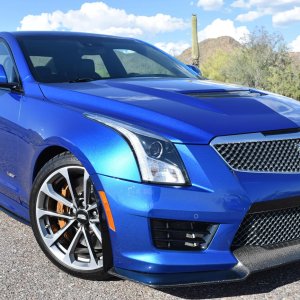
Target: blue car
128, 163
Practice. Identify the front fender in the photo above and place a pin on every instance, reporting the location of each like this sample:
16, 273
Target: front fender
99, 148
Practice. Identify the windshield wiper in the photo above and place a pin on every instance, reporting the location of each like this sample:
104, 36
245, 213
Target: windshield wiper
83, 79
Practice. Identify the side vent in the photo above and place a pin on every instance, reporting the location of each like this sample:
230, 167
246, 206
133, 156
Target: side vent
182, 235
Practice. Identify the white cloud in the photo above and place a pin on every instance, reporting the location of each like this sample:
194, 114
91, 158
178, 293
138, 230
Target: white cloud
223, 28
98, 17
210, 4
273, 3
173, 48
286, 17
262, 3
295, 45
240, 4
280, 10
249, 16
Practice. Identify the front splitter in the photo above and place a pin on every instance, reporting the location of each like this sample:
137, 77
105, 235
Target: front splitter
250, 260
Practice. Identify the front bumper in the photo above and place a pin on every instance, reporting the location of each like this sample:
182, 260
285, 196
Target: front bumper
217, 195
250, 260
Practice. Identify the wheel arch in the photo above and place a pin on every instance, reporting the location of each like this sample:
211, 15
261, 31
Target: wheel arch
46, 155
49, 153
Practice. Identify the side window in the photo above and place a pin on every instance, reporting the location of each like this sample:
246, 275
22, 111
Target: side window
7, 62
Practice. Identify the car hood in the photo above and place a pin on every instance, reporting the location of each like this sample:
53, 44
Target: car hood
183, 110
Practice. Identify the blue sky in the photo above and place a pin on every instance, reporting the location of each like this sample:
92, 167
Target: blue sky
164, 23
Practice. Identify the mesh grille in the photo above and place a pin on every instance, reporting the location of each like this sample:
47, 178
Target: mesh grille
269, 228
262, 156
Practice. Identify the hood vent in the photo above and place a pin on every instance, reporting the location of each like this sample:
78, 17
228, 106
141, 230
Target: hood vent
225, 94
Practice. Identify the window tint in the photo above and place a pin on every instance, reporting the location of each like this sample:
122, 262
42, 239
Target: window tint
137, 64
43, 61
44, 67
76, 58
7, 62
100, 68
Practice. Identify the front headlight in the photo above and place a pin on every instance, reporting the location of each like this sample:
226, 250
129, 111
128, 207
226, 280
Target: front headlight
158, 159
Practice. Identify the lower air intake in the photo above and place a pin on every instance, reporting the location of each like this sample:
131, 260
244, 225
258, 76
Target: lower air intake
182, 235
269, 228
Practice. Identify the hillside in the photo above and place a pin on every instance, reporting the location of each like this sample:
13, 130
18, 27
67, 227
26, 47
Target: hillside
226, 44
209, 47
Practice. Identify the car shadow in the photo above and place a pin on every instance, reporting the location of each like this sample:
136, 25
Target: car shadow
258, 283
12, 215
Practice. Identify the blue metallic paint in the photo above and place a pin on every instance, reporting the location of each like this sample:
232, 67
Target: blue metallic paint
224, 199
52, 115
162, 107
3, 77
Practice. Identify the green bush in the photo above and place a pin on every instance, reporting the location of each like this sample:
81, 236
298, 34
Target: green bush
262, 62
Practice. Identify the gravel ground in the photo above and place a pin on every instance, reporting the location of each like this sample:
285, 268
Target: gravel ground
27, 274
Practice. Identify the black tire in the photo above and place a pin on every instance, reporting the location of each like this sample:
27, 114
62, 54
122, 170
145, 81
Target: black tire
65, 159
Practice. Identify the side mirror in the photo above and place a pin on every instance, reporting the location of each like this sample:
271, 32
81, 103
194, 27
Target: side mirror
3, 76
195, 69
13, 86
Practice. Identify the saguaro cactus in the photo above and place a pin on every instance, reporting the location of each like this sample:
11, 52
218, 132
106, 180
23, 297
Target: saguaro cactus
195, 45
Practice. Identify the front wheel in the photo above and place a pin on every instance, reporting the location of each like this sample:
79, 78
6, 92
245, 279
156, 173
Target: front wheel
65, 218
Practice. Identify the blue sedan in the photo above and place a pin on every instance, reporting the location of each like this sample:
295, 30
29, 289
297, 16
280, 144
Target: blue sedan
128, 163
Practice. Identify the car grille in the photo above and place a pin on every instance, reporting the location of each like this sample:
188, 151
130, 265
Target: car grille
181, 235
269, 228
274, 156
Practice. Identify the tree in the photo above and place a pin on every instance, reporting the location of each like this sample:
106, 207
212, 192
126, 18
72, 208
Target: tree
215, 67
262, 62
285, 81
261, 51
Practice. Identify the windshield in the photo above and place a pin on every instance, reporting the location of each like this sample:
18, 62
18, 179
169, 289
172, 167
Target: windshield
55, 59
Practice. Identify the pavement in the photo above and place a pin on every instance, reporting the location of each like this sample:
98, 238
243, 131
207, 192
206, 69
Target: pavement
26, 273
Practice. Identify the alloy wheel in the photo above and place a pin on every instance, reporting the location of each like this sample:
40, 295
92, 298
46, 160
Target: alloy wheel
68, 218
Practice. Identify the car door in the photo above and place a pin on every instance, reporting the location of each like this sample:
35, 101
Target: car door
10, 102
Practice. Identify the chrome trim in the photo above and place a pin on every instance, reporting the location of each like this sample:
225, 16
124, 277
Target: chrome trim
253, 137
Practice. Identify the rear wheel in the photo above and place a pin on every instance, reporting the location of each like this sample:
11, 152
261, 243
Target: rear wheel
65, 218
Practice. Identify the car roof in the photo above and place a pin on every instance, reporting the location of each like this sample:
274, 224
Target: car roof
62, 34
